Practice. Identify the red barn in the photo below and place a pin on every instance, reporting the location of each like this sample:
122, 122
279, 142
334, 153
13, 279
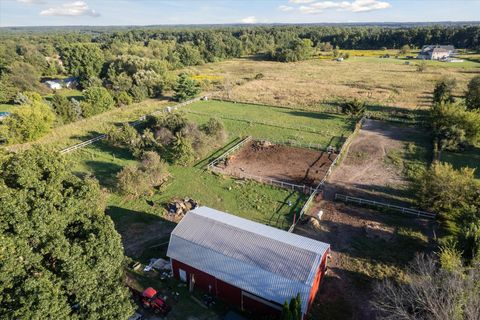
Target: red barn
247, 264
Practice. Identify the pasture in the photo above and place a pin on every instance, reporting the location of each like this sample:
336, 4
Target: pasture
318, 82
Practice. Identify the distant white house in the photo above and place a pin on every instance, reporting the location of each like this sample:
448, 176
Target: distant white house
57, 84
436, 52
54, 84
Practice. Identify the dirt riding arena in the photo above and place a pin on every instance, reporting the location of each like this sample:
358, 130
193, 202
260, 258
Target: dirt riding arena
366, 171
278, 162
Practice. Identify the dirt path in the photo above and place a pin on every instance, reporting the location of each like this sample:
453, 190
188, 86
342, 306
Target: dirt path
369, 170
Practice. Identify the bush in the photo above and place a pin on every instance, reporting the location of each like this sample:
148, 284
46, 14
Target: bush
126, 136
140, 179
443, 92
64, 109
472, 96
353, 107
27, 122
213, 127
139, 93
97, 100
124, 99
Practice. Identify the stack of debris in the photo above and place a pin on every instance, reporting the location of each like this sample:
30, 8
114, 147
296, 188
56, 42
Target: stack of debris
261, 145
179, 207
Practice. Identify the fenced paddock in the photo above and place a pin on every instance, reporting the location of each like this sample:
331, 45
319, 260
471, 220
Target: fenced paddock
383, 205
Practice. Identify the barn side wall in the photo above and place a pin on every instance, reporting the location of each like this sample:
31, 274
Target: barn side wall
318, 280
224, 291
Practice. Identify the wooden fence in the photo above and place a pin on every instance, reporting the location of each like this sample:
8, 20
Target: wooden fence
361, 201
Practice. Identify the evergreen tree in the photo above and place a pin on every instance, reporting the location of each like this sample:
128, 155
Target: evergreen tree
472, 96
185, 88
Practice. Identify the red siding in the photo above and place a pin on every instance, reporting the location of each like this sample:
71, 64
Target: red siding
223, 290
318, 280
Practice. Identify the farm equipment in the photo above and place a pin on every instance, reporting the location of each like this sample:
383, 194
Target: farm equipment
150, 300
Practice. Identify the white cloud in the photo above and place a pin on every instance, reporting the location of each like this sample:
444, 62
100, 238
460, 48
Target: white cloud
77, 8
285, 8
353, 6
31, 1
301, 1
250, 19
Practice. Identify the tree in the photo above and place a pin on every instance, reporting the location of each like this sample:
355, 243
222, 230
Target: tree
292, 310
186, 88
405, 49
294, 50
61, 255
443, 92
431, 292
64, 109
28, 122
124, 99
96, 100
181, 151
455, 196
472, 96
140, 179
82, 60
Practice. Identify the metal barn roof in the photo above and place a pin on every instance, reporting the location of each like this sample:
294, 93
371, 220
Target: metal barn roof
262, 260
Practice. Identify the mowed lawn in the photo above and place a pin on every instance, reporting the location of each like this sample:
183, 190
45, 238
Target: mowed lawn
275, 123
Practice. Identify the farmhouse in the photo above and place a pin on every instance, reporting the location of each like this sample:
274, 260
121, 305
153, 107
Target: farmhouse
436, 52
247, 264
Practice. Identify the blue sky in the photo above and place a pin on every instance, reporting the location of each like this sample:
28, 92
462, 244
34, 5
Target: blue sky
148, 12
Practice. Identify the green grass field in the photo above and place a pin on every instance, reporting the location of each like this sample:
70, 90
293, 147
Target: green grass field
7, 107
469, 158
274, 123
247, 199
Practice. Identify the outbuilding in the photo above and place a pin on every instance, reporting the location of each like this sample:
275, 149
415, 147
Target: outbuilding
247, 264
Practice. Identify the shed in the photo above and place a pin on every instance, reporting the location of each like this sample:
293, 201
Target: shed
247, 264
54, 84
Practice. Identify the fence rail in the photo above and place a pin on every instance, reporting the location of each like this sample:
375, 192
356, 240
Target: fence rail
343, 149
293, 143
228, 152
400, 209
133, 124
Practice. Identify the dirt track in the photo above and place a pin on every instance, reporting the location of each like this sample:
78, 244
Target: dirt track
366, 169
279, 162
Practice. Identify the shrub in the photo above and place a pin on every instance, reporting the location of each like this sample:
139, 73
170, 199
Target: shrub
472, 96
443, 92
124, 99
97, 100
126, 136
353, 107
64, 109
139, 93
27, 122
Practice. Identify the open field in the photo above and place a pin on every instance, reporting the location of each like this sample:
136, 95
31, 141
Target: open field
378, 160
279, 162
274, 123
367, 246
312, 83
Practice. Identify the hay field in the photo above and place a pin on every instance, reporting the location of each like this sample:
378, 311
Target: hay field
311, 83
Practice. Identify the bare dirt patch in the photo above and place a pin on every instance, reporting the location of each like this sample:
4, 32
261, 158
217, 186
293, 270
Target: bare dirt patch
279, 162
366, 246
373, 165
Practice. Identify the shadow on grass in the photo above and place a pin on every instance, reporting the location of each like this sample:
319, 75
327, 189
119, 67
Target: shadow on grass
313, 115
104, 172
294, 202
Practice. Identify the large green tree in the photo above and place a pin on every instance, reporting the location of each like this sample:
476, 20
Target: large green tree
60, 256
472, 96
82, 60
96, 100
28, 122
